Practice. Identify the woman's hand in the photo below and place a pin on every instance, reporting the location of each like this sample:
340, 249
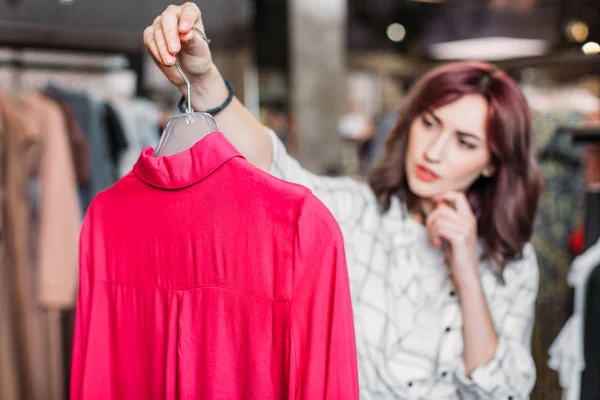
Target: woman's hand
171, 34
454, 225
453, 222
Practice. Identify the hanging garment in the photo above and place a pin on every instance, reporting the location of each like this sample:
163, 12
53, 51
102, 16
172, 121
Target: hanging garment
60, 214
139, 120
9, 375
40, 222
204, 277
567, 352
90, 116
590, 386
57, 233
19, 152
39, 267
79, 146
117, 140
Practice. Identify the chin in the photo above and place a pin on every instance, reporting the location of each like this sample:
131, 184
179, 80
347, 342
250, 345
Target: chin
423, 190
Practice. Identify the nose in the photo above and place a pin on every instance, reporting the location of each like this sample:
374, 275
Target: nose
434, 152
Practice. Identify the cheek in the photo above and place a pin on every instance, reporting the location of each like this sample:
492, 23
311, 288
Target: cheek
465, 169
414, 145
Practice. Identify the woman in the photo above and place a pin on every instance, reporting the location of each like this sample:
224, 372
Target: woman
442, 276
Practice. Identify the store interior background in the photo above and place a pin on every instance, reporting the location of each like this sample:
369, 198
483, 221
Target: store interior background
328, 76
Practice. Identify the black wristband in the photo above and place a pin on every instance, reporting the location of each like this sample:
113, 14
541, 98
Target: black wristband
216, 110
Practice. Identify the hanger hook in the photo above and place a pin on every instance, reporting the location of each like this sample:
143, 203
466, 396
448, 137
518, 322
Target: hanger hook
189, 108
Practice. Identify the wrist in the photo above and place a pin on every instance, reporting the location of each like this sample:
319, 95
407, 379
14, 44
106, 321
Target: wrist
468, 282
207, 90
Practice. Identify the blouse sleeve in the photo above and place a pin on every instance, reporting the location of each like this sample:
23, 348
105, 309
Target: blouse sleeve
511, 373
324, 348
343, 196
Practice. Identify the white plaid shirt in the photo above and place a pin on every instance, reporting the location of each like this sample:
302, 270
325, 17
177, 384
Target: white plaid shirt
407, 316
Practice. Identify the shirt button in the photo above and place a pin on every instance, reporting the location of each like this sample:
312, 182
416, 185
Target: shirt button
444, 374
409, 384
448, 329
452, 293
510, 398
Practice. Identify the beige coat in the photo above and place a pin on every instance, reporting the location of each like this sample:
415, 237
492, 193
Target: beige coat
38, 258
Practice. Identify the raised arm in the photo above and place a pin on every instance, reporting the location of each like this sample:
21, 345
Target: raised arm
171, 34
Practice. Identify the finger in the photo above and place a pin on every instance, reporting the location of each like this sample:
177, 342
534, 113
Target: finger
190, 17
159, 38
150, 44
193, 43
433, 236
433, 226
447, 230
169, 21
458, 199
442, 211
187, 38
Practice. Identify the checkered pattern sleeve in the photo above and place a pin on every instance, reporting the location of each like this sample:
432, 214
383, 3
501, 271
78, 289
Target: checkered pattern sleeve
343, 196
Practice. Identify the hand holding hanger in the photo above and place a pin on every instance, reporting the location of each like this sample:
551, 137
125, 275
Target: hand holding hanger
175, 33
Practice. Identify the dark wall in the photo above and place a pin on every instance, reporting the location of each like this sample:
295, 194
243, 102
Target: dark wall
113, 25
271, 34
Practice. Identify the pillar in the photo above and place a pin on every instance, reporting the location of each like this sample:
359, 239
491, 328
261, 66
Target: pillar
317, 71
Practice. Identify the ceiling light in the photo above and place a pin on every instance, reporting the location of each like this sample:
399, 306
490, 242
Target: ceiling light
577, 31
396, 32
490, 32
490, 48
591, 48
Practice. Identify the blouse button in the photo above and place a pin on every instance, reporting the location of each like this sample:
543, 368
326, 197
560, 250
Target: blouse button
448, 329
510, 398
409, 384
444, 373
452, 293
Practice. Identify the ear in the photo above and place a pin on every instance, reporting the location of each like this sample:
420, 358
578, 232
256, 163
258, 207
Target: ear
488, 171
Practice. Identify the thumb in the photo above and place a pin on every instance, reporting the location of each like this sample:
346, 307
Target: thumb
193, 44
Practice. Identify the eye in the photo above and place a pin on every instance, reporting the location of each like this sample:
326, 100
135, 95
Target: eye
427, 121
466, 144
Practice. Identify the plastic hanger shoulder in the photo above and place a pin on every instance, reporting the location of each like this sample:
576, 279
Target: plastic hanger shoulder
182, 131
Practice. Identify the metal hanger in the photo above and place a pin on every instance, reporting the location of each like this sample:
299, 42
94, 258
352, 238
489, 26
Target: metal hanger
184, 130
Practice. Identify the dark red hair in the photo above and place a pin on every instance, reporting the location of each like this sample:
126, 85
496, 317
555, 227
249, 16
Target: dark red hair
505, 204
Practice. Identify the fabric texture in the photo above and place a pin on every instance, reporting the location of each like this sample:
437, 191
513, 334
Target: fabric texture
204, 277
407, 314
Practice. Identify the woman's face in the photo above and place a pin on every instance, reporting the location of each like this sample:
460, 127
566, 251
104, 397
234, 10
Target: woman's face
447, 147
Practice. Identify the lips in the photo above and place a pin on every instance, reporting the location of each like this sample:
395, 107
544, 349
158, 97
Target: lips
425, 174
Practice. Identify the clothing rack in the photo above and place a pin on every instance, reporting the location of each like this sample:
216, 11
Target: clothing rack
20, 64
21, 58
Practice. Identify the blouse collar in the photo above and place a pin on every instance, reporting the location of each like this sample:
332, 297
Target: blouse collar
186, 167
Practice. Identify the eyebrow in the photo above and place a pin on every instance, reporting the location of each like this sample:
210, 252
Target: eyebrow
461, 133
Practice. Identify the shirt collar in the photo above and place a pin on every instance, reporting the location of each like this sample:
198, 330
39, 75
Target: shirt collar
187, 167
